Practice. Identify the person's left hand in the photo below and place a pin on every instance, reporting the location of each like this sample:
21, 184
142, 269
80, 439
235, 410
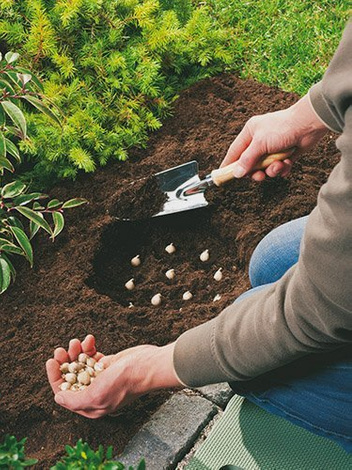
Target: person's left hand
127, 375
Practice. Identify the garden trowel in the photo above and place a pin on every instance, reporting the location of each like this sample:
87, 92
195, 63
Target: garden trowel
185, 190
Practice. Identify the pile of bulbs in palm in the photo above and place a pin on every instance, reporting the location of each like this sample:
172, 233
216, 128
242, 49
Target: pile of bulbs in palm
79, 374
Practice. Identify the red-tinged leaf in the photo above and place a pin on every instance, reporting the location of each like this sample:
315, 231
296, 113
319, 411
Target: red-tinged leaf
24, 243
42, 107
59, 223
13, 189
16, 116
74, 203
35, 217
5, 275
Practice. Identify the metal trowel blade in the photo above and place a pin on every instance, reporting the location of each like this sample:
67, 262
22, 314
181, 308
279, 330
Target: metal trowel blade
172, 182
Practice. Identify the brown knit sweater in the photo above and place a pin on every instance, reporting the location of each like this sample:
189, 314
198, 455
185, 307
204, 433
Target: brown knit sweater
309, 309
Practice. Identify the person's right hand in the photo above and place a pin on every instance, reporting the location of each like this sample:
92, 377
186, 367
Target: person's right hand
296, 127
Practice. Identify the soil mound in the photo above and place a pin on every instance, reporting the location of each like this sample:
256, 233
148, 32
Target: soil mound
77, 284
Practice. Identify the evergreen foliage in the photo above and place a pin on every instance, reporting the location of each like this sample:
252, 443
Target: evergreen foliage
113, 66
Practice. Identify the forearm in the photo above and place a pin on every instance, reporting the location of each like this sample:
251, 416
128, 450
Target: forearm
162, 372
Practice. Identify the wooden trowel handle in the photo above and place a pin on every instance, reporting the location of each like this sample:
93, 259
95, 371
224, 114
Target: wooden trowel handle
222, 175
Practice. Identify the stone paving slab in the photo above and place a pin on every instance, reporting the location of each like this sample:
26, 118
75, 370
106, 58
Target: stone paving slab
170, 433
219, 394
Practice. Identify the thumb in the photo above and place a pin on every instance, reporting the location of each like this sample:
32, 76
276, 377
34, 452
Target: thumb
108, 360
249, 159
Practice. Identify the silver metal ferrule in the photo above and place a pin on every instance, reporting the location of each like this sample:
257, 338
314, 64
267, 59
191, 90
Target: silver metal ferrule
196, 188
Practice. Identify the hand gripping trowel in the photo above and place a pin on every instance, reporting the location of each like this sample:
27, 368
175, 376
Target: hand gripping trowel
185, 190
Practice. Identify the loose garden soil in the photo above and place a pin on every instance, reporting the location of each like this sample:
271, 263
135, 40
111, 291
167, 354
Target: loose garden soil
77, 284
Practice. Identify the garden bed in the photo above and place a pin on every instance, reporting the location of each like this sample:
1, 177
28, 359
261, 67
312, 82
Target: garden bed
77, 284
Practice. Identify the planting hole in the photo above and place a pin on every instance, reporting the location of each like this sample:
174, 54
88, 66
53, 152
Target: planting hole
192, 233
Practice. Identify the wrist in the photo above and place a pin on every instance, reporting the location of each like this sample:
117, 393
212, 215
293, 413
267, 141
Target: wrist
163, 374
305, 115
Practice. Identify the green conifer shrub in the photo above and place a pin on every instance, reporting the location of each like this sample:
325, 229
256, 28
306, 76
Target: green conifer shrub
114, 66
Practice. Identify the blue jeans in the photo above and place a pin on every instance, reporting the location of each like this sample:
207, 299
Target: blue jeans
314, 392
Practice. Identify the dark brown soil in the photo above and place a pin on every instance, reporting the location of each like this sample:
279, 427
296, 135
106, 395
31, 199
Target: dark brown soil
77, 284
140, 200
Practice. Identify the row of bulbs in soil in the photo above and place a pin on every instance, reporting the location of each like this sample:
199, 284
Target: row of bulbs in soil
170, 274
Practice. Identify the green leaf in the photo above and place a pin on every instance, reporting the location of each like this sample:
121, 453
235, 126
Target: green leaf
5, 84
11, 248
33, 229
24, 243
59, 223
13, 189
16, 115
12, 149
2, 145
42, 107
26, 198
12, 269
11, 57
38, 207
34, 78
24, 78
35, 217
6, 164
2, 114
141, 465
74, 203
5, 275
15, 222
53, 204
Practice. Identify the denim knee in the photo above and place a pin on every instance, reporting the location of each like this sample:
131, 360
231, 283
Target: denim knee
277, 252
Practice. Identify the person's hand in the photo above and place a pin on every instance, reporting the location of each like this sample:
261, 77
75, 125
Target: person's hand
297, 127
127, 375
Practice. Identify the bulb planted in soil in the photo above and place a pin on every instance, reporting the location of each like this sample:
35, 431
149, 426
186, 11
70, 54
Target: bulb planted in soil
156, 300
204, 256
170, 248
218, 275
187, 295
170, 274
130, 284
136, 261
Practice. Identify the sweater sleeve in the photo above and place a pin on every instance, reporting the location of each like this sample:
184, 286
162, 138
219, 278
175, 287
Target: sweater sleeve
309, 309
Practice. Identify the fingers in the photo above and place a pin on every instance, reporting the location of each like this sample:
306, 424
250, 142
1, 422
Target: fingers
54, 374
61, 355
237, 147
88, 345
74, 349
249, 158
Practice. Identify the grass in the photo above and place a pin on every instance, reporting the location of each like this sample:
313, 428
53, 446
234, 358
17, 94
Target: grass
284, 43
